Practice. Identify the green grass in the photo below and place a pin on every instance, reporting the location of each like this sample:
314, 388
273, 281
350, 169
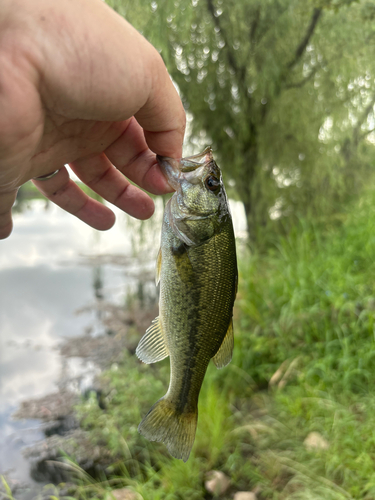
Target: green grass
304, 318
314, 297
6, 492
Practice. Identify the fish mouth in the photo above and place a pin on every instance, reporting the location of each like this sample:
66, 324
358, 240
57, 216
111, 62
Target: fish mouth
173, 169
170, 169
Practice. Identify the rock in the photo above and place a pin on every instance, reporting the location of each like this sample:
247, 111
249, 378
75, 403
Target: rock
125, 494
52, 407
102, 350
315, 441
244, 495
45, 456
217, 482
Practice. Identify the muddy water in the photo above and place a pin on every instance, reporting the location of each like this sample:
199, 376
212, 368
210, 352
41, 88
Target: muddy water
49, 269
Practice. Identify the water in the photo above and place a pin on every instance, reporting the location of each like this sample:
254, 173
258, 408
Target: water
48, 270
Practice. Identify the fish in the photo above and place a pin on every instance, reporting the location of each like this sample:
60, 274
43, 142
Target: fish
197, 270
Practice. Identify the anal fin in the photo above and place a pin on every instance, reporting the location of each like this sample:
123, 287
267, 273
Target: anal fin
152, 346
224, 355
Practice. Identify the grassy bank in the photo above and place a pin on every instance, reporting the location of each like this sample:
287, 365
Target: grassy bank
304, 363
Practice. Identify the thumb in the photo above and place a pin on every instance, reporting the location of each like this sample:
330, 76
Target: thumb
163, 116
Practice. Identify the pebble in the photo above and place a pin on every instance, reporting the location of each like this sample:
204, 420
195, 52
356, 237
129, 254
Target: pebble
218, 482
315, 441
125, 494
244, 495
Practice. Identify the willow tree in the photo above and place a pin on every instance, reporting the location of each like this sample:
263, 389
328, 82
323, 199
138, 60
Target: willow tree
283, 89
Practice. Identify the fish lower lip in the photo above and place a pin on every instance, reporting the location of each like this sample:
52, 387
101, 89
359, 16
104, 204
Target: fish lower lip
170, 169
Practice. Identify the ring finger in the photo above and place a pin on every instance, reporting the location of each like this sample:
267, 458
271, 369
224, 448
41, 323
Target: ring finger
65, 193
102, 177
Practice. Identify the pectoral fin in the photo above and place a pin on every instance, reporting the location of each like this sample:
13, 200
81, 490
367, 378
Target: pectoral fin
224, 354
152, 346
181, 235
158, 267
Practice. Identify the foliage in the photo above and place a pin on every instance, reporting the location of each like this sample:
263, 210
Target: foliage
283, 89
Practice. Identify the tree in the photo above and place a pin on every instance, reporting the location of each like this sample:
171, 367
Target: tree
282, 88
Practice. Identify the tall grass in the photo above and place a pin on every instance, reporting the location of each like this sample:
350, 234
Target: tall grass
304, 362
313, 296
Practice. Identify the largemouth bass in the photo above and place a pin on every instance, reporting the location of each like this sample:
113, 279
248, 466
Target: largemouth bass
197, 270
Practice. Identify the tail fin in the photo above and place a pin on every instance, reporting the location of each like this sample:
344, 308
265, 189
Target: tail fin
176, 430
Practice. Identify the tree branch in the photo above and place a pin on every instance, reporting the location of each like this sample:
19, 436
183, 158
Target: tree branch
368, 132
254, 25
304, 42
302, 82
357, 128
270, 23
241, 72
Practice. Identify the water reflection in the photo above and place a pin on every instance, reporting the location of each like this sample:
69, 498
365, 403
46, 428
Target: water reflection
44, 279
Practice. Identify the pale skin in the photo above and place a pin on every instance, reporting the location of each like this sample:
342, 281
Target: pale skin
80, 86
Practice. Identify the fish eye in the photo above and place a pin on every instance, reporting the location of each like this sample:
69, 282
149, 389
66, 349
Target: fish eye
212, 183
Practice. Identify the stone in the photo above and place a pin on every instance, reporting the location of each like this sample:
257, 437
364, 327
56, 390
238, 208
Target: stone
49, 408
45, 456
315, 441
244, 495
125, 494
217, 482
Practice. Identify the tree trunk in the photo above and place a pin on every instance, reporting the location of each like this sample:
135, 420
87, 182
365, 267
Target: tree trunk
250, 167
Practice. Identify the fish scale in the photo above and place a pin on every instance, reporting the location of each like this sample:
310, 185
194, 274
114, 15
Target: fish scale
197, 268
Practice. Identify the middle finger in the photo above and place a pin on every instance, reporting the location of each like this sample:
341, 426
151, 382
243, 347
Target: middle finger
101, 176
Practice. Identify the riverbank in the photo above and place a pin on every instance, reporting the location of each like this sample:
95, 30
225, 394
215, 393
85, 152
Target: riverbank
59, 282
292, 416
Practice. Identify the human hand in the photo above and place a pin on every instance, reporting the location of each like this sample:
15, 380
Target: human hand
80, 86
